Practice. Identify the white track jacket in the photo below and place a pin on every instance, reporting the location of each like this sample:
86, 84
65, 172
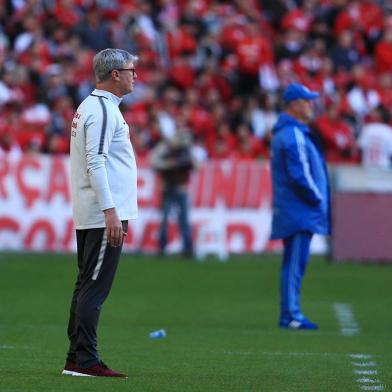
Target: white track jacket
103, 164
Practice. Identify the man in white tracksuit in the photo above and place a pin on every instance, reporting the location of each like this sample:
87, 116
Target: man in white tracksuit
104, 196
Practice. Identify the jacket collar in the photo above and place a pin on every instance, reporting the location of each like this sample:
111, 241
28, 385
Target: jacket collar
285, 119
105, 94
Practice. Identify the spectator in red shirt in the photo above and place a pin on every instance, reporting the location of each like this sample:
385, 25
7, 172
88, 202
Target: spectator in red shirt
300, 18
327, 80
55, 144
211, 78
252, 52
363, 16
248, 147
383, 52
337, 136
181, 73
232, 32
197, 117
66, 14
223, 144
180, 41
10, 125
310, 61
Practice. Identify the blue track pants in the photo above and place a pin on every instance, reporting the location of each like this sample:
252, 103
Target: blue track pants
295, 260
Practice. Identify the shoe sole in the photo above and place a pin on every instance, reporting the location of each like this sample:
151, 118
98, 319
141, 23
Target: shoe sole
77, 374
72, 373
67, 372
298, 328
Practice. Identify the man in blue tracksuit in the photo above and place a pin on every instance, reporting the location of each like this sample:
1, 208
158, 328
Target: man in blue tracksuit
300, 197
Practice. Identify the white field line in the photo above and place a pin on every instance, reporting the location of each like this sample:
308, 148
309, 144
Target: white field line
348, 324
365, 372
278, 332
31, 326
282, 353
303, 354
11, 347
365, 369
364, 365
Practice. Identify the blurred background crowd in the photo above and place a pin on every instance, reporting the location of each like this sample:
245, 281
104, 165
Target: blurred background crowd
214, 69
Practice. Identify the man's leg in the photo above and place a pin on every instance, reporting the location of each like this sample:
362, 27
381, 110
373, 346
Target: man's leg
295, 259
96, 274
166, 205
72, 325
183, 222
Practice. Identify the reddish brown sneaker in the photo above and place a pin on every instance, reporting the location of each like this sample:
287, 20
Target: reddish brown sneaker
98, 370
69, 367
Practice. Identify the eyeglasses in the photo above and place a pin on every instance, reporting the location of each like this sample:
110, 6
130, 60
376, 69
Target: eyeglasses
125, 69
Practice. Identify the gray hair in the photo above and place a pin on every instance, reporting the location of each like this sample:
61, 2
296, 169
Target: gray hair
109, 59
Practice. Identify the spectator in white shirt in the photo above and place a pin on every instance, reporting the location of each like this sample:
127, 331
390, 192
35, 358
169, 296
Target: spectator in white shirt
375, 141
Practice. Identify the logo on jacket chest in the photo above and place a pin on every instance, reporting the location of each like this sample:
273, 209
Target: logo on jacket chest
74, 125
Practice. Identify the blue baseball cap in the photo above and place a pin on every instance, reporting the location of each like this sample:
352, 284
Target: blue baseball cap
296, 91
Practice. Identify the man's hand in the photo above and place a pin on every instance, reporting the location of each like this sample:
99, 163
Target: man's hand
114, 227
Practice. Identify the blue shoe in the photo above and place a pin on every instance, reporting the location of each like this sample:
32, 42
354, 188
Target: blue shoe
298, 324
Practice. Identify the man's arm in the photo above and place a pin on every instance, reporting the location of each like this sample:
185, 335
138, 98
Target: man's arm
99, 132
297, 163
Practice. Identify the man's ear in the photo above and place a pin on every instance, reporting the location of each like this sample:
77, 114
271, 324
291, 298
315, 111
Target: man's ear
114, 74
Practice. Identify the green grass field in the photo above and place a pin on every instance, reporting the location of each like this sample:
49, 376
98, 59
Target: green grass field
221, 323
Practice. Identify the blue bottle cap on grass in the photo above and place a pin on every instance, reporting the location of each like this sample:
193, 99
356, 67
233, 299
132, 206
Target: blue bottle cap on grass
159, 334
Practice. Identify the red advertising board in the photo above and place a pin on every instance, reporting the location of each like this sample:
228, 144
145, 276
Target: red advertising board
36, 210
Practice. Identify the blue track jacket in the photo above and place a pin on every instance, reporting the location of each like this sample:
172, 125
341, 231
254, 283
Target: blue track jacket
299, 181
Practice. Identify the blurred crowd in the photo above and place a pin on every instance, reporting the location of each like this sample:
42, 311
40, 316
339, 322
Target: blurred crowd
211, 68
